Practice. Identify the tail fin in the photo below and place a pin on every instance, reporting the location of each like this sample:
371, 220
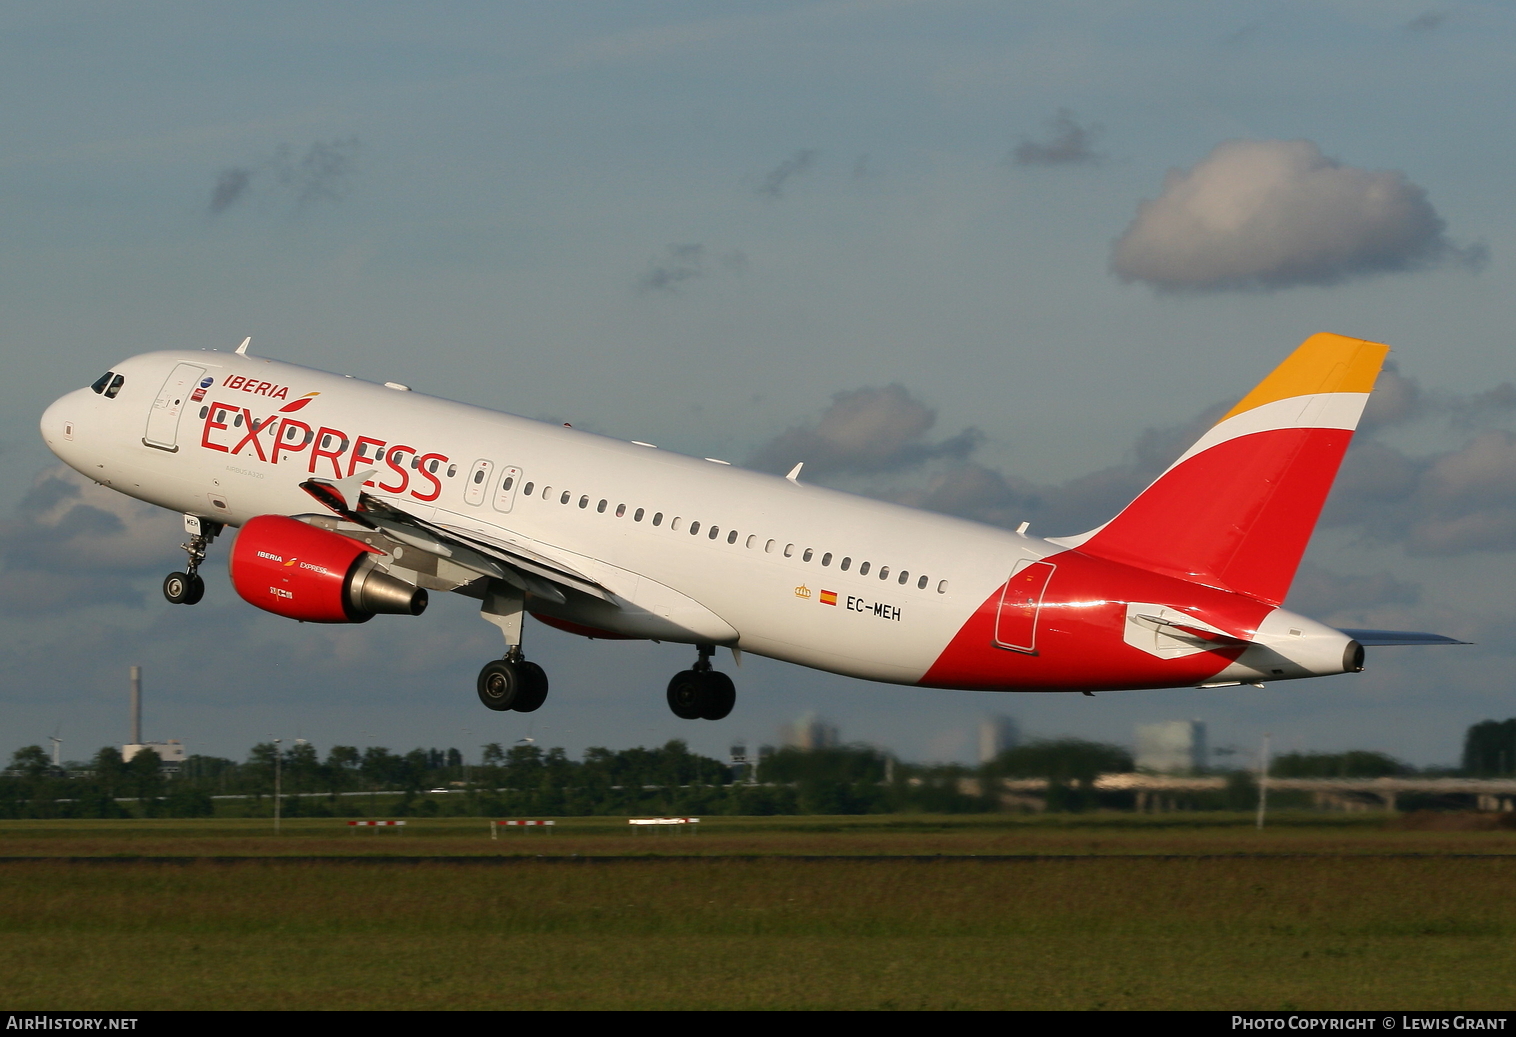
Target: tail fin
1237, 509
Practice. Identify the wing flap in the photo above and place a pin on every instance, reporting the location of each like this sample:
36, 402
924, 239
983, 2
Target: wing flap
519, 566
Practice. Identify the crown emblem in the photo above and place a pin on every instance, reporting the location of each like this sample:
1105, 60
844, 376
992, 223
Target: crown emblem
802, 591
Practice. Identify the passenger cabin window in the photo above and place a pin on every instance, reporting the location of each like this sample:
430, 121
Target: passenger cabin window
731, 537
694, 528
921, 584
673, 523
826, 559
863, 570
884, 572
599, 508
527, 489
807, 556
904, 576
637, 515
621, 511
845, 563
584, 501
714, 533
942, 587
565, 498
658, 518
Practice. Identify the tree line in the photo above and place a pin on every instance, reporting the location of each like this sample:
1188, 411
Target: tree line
525, 779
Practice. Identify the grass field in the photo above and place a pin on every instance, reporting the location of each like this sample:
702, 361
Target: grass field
921, 912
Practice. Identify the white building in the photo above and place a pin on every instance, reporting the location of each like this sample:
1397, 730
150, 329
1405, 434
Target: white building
170, 753
810, 732
1172, 747
996, 735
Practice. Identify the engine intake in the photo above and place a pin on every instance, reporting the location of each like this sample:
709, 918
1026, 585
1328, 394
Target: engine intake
302, 572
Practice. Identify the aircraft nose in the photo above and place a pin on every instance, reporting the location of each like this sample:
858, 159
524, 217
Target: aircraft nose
58, 423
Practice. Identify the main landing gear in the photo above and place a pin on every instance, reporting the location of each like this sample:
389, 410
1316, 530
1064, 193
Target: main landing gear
511, 683
187, 588
702, 693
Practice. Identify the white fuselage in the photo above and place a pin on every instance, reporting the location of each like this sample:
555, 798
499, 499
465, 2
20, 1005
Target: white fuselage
764, 583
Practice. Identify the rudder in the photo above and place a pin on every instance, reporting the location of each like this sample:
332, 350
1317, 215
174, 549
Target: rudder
1237, 509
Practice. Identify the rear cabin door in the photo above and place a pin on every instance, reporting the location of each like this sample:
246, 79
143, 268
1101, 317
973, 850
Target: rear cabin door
163, 420
1016, 624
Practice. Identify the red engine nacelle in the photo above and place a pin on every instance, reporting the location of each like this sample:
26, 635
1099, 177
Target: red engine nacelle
306, 573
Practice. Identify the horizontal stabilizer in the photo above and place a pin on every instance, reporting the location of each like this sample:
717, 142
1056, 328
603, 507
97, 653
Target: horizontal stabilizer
1190, 632
1388, 638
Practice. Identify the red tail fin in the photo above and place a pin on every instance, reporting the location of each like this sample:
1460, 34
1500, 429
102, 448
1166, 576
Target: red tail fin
1237, 510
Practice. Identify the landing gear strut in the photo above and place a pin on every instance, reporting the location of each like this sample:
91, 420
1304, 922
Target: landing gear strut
702, 693
509, 683
187, 588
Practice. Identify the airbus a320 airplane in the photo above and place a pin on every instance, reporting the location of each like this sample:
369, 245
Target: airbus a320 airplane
356, 499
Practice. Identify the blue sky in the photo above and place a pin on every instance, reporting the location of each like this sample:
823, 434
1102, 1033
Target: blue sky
695, 224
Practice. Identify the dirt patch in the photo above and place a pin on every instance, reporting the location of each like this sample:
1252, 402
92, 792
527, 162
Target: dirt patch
1454, 821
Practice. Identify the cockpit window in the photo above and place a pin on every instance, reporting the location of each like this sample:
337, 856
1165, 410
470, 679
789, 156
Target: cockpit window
115, 387
102, 382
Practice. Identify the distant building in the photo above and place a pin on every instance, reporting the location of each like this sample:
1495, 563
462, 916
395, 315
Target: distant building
810, 732
744, 767
170, 753
996, 735
1172, 747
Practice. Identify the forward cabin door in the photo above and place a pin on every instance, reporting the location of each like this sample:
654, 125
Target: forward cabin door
1016, 623
478, 482
163, 421
505, 497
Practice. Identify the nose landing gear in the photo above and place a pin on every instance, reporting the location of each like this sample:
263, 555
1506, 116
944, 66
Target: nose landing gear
702, 693
187, 588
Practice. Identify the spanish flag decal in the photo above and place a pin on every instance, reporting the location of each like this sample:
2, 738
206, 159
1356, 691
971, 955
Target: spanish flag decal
828, 597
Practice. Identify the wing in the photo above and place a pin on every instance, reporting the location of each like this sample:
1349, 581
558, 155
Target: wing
520, 566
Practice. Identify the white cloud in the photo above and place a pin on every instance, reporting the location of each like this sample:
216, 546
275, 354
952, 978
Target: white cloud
865, 430
1275, 213
74, 542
